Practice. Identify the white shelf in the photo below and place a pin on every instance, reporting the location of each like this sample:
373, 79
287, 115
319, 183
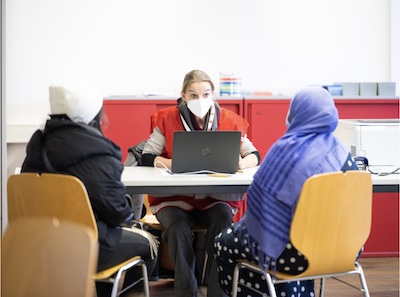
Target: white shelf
20, 133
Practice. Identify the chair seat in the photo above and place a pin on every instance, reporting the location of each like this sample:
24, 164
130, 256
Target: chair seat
151, 221
306, 275
107, 273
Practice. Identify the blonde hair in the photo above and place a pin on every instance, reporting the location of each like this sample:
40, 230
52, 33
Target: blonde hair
196, 76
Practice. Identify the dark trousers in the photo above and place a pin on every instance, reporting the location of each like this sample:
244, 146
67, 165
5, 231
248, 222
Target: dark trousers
178, 235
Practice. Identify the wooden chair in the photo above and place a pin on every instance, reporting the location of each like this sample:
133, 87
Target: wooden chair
331, 224
47, 257
64, 197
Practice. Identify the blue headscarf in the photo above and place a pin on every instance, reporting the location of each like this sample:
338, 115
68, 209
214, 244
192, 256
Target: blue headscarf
307, 148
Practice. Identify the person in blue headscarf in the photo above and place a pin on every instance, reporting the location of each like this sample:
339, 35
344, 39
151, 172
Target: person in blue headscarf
262, 235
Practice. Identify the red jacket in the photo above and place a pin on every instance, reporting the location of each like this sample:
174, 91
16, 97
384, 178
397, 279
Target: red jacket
168, 121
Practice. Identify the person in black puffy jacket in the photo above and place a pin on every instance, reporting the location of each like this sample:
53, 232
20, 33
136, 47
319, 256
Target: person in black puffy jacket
74, 144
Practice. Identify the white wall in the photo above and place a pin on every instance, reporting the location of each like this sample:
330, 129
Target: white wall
3, 155
135, 47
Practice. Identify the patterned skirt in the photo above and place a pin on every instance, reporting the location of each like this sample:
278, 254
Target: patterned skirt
228, 250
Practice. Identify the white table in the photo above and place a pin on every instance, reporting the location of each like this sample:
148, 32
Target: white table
386, 183
148, 180
153, 181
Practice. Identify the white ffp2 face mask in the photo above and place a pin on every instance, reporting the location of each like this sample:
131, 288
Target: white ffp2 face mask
200, 107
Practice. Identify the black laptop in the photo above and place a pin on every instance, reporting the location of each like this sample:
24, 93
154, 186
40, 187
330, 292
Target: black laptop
206, 151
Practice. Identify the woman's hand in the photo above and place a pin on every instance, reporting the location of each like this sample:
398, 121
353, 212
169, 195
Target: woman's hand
250, 160
161, 162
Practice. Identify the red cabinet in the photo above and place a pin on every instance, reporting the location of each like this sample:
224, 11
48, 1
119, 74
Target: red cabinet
129, 120
267, 116
368, 108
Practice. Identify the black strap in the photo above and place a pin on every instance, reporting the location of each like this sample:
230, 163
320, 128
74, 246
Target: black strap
46, 160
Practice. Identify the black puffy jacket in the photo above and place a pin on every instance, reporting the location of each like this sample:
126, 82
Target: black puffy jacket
83, 151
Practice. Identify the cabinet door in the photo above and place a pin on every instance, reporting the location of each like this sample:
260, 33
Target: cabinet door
368, 108
129, 120
267, 120
383, 240
235, 105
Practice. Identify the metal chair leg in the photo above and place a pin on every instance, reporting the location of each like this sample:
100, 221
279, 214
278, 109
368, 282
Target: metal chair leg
235, 280
322, 287
119, 279
362, 280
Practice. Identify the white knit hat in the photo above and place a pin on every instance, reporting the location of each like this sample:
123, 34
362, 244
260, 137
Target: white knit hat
80, 102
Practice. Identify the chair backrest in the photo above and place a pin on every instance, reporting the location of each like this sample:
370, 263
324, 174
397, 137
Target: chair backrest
332, 220
48, 257
49, 195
